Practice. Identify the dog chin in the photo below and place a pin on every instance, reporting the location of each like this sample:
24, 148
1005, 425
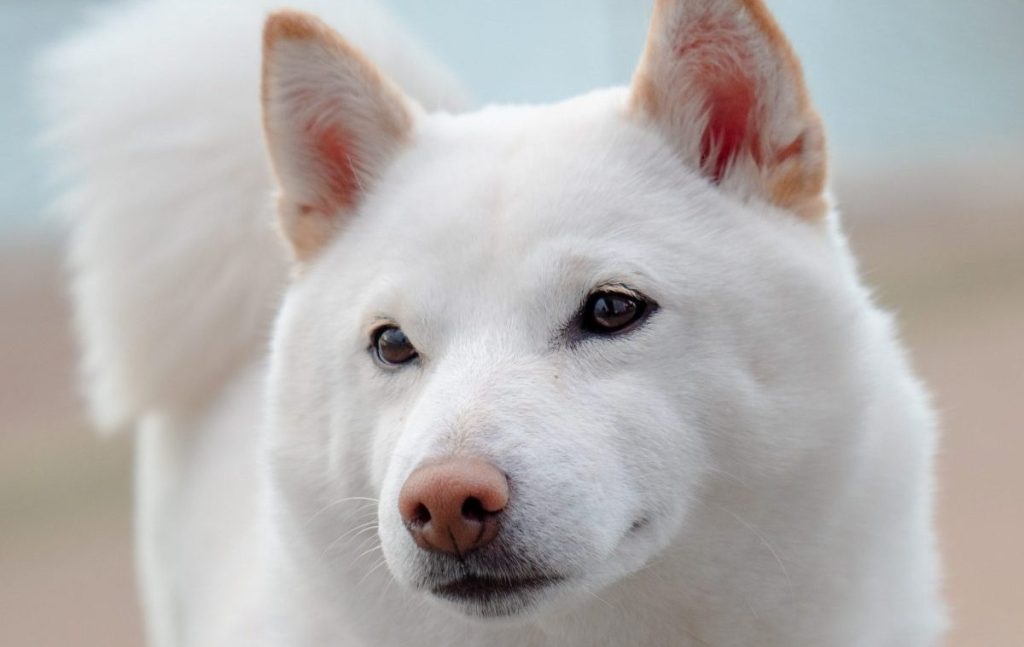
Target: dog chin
497, 598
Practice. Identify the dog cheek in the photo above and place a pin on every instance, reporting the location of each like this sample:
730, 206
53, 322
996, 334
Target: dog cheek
664, 458
580, 492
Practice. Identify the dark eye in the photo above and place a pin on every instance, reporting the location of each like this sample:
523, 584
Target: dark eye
607, 313
392, 347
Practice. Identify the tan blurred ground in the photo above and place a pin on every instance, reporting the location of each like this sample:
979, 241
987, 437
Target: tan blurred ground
954, 271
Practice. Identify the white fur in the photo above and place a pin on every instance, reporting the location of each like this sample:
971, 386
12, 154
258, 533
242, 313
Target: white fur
762, 425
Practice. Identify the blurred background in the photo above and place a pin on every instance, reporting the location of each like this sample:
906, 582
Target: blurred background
925, 106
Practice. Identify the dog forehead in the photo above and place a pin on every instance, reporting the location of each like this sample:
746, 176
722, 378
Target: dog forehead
496, 184
510, 207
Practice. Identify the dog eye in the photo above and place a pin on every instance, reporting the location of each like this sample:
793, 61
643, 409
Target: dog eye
392, 347
608, 313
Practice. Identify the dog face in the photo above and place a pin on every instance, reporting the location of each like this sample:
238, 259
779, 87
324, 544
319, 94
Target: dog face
536, 337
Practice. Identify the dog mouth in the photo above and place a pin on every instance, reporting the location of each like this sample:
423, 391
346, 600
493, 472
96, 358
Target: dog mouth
495, 596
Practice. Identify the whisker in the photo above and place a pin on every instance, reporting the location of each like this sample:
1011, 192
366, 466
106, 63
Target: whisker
372, 539
382, 562
608, 604
366, 503
351, 534
387, 587
728, 475
366, 552
372, 523
767, 544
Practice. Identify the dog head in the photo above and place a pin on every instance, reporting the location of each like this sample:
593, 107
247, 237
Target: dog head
535, 336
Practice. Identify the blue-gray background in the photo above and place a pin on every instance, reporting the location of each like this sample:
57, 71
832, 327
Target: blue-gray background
896, 80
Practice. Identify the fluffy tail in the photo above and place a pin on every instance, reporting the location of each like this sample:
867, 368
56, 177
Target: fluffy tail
155, 128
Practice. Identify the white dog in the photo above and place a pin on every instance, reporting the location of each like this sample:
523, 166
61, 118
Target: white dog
594, 373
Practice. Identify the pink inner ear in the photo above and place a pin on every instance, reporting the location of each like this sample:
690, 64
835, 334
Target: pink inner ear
716, 56
333, 153
731, 126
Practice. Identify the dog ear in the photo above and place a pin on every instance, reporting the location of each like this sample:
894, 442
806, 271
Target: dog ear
722, 83
332, 123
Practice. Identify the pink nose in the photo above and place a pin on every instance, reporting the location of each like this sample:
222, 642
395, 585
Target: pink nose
452, 506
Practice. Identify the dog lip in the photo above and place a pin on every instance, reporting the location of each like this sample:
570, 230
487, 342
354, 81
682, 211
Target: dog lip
484, 588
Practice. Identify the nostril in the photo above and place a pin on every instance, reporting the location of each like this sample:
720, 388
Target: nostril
420, 516
473, 510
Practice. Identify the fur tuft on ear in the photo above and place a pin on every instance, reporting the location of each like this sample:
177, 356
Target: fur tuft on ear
332, 122
722, 83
